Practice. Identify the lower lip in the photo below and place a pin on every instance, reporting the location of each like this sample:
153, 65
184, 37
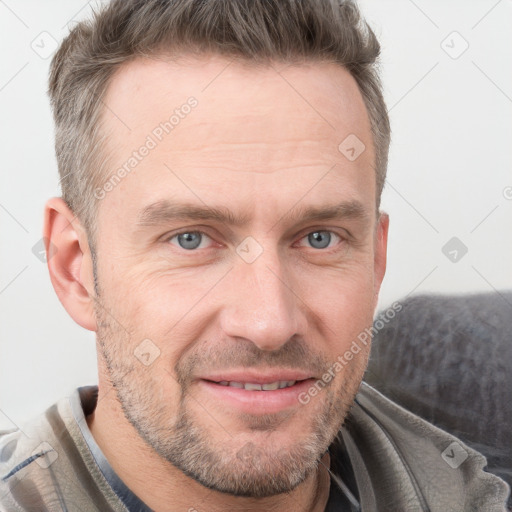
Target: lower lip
257, 402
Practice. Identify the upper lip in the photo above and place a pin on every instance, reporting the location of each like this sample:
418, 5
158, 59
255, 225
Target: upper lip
258, 377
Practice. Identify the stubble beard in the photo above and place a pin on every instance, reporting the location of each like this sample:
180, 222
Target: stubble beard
181, 438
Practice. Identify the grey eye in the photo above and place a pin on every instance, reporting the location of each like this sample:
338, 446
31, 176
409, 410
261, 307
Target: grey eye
319, 239
190, 240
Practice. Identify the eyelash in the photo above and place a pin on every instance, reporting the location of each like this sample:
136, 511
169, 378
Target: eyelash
327, 249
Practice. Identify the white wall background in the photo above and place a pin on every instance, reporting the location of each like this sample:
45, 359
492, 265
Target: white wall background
450, 173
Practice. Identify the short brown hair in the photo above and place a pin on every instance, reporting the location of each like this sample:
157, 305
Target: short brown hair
253, 30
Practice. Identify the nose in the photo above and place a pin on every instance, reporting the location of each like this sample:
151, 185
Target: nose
261, 304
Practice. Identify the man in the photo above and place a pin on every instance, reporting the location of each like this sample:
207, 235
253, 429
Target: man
222, 164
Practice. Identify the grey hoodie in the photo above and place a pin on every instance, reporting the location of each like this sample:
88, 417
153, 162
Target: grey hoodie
395, 462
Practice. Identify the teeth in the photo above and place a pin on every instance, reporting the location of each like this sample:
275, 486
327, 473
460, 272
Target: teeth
251, 386
270, 386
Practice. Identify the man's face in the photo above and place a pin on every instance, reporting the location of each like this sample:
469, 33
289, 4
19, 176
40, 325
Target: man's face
197, 311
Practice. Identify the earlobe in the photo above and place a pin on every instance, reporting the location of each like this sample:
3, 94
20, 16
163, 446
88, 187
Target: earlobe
69, 262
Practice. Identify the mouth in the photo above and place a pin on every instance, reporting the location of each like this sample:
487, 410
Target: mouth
254, 386
256, 394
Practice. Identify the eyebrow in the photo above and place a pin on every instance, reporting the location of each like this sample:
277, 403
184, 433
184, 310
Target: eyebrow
164, 211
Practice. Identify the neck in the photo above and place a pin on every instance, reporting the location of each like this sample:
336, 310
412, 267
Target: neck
158, 483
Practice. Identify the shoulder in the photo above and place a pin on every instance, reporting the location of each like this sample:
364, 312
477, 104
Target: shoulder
29, 441
39, 460
400, 458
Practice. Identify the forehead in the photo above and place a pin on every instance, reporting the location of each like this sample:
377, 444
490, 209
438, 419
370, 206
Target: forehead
321, 85
237, 101
274, 119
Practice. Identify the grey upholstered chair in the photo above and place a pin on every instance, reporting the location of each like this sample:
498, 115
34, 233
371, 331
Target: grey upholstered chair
449, 360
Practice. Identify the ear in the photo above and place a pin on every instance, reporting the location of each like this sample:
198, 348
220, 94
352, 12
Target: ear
69, 262
380, 255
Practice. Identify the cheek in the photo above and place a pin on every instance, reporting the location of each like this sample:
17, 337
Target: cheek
165, 301
155, 297
343, 305
345, 292
169, 310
